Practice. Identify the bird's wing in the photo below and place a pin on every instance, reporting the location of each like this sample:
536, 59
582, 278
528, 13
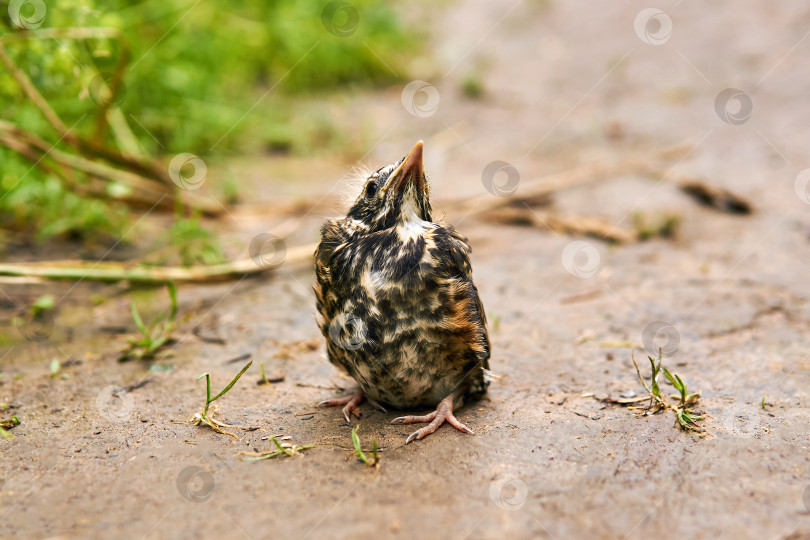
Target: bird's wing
458, 264
333, 234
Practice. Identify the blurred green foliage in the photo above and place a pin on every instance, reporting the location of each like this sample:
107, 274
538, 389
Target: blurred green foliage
195, 243
199, 77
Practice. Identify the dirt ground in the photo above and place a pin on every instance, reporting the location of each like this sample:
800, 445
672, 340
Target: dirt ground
566, 84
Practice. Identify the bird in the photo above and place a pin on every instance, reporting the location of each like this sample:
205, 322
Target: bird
396, 302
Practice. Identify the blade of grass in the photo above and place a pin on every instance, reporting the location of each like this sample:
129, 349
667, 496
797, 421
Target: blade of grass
207, 392
138, 321
233, 382
173, 296
281, 448
357, 448
264, 377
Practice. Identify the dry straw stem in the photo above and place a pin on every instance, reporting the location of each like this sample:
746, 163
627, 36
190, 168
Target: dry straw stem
639, 164
494, 208
508, 209
143, 191
577, 225
113, 271
281, 449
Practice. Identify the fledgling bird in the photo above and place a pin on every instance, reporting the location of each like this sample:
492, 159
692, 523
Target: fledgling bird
397, 304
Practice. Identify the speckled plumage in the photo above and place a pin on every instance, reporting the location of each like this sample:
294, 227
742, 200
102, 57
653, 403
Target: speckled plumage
395, 297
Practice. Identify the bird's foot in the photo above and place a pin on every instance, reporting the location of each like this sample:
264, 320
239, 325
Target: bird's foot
352, 404
442, 414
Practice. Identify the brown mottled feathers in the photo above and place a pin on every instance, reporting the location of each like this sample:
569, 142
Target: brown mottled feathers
400, 312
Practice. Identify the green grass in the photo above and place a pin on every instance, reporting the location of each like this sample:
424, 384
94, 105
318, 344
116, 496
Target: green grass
663, 226
42, 304
473, 87
187, 73
154, 335
685, 415
204, 417
195, 244
374, 461
7, 424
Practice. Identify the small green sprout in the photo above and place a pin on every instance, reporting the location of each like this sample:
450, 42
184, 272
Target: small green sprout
687, 418
358, 450
156, 334
656, 391
665, 226
8, 424
208, 419
472, 86
264, 377
42, 304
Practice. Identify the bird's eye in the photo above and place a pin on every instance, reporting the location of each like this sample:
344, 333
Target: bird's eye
371, 189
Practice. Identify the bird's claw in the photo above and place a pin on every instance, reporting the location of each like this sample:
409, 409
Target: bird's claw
350, 410
376, 404
443, 413
352, 405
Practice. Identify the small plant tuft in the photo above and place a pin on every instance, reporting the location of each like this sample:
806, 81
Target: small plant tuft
686, 416
374, 461
155, 335
7, 425
204, 417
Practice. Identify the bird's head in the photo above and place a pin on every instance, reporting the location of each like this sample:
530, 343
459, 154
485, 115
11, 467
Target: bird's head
394, 194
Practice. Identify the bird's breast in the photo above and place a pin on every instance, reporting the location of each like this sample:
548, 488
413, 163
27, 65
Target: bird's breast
399, 327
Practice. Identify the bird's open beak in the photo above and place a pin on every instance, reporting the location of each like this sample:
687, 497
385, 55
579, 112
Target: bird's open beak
410, 170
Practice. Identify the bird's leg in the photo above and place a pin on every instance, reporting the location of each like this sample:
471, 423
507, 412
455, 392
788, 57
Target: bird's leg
352, 404
443, 413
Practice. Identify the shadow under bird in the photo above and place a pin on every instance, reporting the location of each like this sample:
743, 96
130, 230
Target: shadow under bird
397, 304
